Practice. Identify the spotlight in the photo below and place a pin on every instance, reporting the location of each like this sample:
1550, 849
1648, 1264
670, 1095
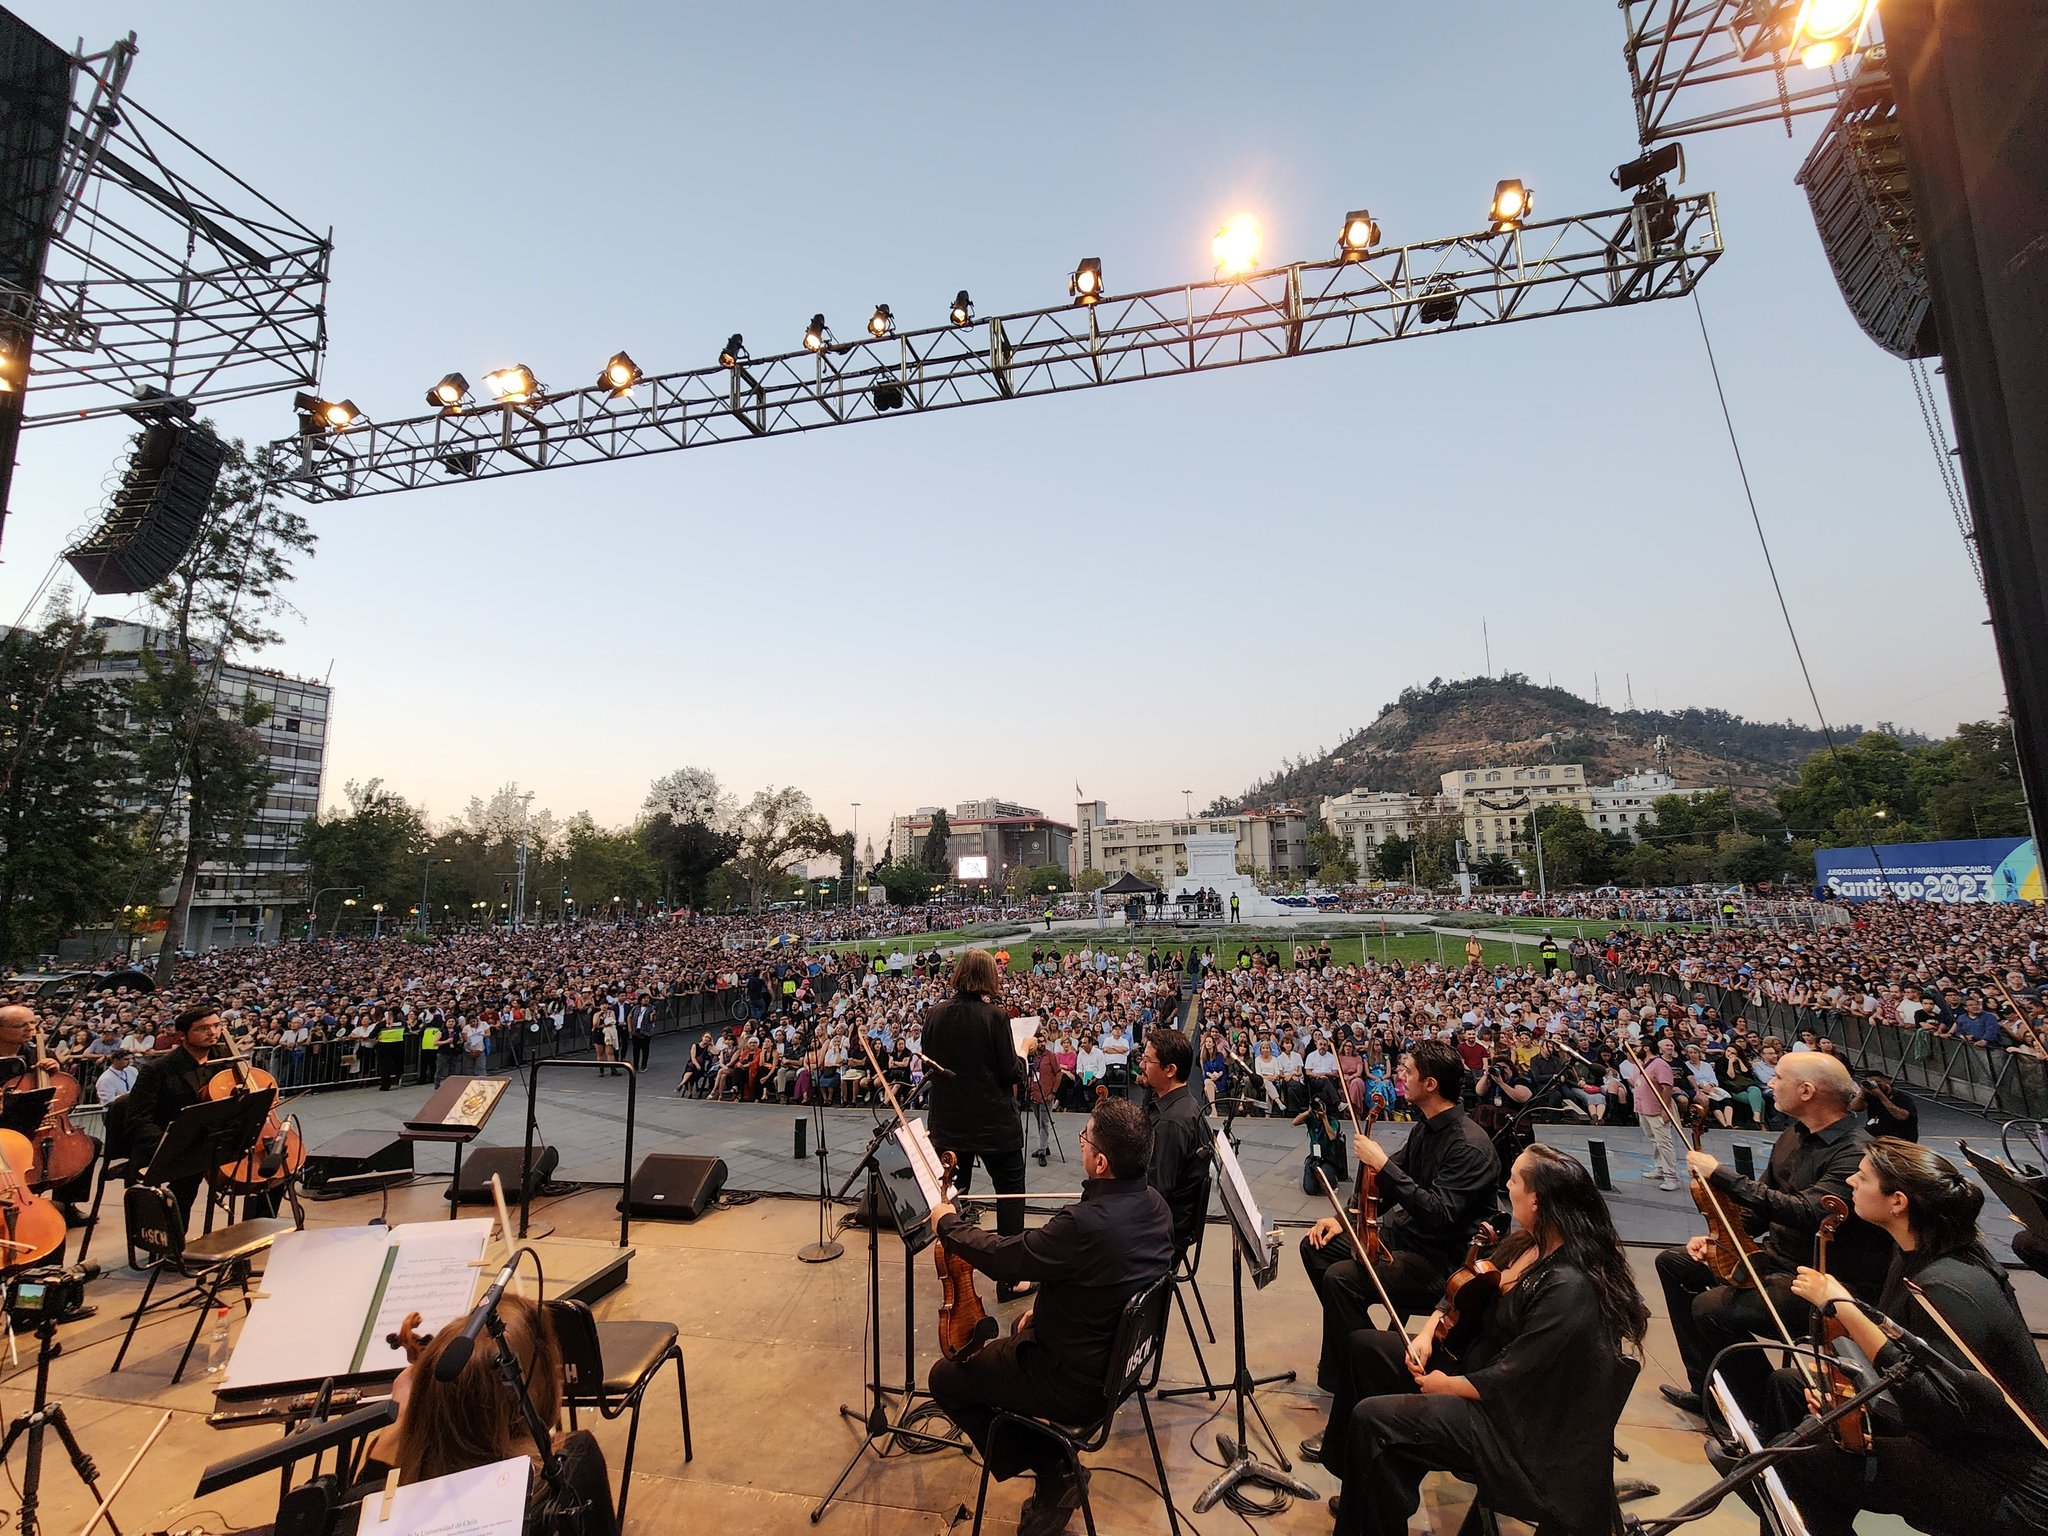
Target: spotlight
1826, 30
1511, 204
509, 386
1360, 235
962, 312
317, 415
10, 367
817, 336
461, 464
882, 323
1085, 282
1644, 169
1660, 214
734, 352
1236, 246
888, 395
1439, 304
620, 375
451, 394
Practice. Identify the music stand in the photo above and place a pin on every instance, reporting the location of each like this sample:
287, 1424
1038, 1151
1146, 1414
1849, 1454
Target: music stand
443, 1120
205, 1135
24, 1110
2025, 1198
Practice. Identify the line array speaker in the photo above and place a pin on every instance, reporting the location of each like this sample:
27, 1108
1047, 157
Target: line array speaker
156, 513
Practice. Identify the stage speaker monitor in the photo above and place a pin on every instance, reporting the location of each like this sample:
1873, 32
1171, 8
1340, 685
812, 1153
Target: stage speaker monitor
354, 1154
675, 1187
479, 1165
157, 512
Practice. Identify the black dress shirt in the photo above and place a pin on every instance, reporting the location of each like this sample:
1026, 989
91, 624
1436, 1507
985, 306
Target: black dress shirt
1181, 1151
1438, 1187
1783, 1207
1090, 1259
973, 1103
165, 1084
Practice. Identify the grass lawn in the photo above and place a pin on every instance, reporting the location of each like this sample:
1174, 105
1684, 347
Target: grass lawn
1408, 948
1563, 928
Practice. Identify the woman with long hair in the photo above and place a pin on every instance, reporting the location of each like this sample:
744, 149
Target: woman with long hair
1528, 1411
1950, 1455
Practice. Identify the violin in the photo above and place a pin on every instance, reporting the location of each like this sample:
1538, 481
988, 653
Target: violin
1852, 1431
409, 1338
1468, 1295
32, 1224
279, 1151
963, 1325
1731, 1251
1365, 1195
59, 1151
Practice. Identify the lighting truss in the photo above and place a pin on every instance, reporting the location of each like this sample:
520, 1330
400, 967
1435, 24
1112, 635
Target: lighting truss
1596, 261
169, 277
1698, 65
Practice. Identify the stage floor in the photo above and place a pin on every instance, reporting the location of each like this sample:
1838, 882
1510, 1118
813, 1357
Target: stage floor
773, 1348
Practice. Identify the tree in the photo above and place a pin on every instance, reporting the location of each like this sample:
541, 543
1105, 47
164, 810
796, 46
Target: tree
1089, 881
606, 868
1333, 859
1969, 785
1497, 869
1436, 850
691, 794
1862, 794
1390, 859
216, 606
376, 845
1573, 852
933, 854
686, 853
1752, 860
908, 885
776, 828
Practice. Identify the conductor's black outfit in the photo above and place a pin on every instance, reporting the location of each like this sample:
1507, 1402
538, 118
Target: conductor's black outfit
1950, 1457
1181, 1152
1434, 1192
973, 1100
166, 1084
1538, 1442
1090, 1259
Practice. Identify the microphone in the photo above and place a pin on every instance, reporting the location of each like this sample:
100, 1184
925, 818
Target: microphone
1914, 1345
463, 1345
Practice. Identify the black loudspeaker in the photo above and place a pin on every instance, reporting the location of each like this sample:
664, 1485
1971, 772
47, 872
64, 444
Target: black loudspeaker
478, 1166
156, 514
675, 1187
354, 1154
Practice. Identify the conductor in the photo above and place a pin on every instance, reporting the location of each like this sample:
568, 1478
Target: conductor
973, 1096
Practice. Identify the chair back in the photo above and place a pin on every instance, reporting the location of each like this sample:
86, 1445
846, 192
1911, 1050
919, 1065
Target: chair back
1134, 1351
582, 1356
1187, 1246
156, 1225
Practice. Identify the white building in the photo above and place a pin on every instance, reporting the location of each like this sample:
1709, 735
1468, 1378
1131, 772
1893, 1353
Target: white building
1366, 818
1625, 805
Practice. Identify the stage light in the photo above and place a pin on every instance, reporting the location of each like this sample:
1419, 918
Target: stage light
1439, 304
962, 312
1236, 246
1827, 29
10, 367
888, 395
1644, 169
1360, 235
734, 352
509, 386
817, 335
620, 375
882, 323
317, 415
451, 394
1511, 204
461, 463
1085, 281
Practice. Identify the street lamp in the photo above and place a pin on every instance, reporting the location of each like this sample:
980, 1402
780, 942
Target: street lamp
425, 875
378, 908
341, 912
313, 911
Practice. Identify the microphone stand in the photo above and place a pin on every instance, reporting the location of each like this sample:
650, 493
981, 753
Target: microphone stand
826, 1248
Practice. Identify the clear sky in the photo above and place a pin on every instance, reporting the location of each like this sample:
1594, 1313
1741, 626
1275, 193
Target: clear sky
1142, 590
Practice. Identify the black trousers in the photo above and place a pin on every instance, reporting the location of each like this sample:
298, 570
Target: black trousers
1371, 1363
643, 1046
1413, 1281
1707, 1316
1006, 1172
390, 1063
1925, 1486
1394, 1437
1017, 1374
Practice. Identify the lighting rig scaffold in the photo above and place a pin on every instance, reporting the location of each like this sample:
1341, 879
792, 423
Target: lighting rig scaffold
1698, 65
170, 282
1656, 248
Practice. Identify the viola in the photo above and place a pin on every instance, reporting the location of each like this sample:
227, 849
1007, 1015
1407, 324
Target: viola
409, 1338
1365, 1195
963, 1325
1731, 1251
31, 1226
59, 1151
279, 1150
1469, 1294
1852, 1431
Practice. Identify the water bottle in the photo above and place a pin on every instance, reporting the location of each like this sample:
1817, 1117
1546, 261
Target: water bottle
217, 1344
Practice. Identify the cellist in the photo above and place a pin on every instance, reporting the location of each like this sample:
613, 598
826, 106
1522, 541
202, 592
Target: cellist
171, 1081
1088, 1260
21, 1053
1813, 1156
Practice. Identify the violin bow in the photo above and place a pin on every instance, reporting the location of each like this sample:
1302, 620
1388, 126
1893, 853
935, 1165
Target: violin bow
1358, 1250
1927, 1305
937, 1175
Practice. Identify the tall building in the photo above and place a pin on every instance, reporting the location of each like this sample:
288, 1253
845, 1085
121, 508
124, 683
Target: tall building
1270, 842
1496, 804
243, 900
1626, 804
1366, 818
1009, 836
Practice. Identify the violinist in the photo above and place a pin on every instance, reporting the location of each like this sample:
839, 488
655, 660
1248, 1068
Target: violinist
1090, 1259
1814, 1156
1949, 1456
1528, 1412
1435, 1191
973, 1104
170, 1081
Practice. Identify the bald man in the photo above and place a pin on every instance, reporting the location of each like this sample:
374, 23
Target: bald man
1813, 1157
19, 1053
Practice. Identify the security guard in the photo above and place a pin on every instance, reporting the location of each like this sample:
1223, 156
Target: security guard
1548, 949
390, 1052
430, 1052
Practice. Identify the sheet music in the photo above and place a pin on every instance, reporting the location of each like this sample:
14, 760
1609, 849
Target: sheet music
1233, 1174
924, 1160
436, 1276
1021, 1030
484, 1501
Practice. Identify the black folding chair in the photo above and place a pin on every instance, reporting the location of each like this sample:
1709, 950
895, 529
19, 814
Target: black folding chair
610, 1365
1133, 1372
157, 1243
1483, 1519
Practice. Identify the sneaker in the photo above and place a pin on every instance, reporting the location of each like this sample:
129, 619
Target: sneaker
1651, 1173
1668, 1185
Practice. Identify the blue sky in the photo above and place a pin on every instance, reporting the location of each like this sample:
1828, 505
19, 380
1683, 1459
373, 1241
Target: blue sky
1140, 589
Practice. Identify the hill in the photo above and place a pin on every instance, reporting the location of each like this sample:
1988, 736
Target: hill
1428, 731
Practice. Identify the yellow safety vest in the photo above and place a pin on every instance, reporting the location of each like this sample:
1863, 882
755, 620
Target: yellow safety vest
393, 1034
430, 1039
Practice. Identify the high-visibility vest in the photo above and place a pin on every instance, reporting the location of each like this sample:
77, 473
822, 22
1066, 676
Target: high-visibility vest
391, 1034
430, 1038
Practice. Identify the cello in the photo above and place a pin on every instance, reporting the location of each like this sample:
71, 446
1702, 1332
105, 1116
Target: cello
59, 1151
279, 1152
31, 1226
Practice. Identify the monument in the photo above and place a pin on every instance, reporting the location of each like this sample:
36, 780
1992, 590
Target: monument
1212, 865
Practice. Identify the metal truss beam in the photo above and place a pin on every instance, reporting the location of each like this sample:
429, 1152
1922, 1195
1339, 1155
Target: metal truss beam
1698, 65
1596, 261
169, 277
